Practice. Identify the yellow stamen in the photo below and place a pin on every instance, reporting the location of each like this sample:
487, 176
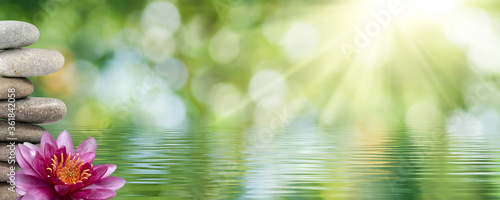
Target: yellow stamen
69, 170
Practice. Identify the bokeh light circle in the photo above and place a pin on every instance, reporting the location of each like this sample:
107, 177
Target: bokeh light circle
268, 88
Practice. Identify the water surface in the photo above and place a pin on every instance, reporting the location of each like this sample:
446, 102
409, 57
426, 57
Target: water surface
328, 162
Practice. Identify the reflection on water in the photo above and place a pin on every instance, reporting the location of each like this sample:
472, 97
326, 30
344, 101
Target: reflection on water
299, 163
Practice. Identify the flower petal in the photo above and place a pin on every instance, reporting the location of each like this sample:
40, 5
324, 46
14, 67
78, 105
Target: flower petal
110, 183
40, 193
75, 187
62, 198
98, 172
28, 172
61, 189
48, 151
81, 193
111, 169
26, 181
47, 139
54, 181
39, 166
89, 145
88, 157
27, 157
64, 139
21, 158
31, 146
100, 194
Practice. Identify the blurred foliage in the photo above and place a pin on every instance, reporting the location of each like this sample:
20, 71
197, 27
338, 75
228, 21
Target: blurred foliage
411, 73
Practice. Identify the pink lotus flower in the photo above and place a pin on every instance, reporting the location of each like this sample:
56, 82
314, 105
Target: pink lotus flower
56, 171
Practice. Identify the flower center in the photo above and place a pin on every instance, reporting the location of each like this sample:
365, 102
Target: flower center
69, 171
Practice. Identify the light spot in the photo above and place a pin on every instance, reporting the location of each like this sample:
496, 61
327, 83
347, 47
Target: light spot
301, 40
461, 123
201, 84
87, 75
224, 98
111, 85
470, 27
163, 109
484, 58
423, 114
437, 10
161, 15
173, 71
268, 88
157, 44
274, 28
225, 46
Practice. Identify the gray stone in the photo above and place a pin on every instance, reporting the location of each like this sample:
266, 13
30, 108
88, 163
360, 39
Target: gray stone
16, 34
23, 87
35, 110
5, 170
5, 193
6, 151
23, 133
30, 62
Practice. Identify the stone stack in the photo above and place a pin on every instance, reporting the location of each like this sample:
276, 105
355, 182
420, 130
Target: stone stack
19, 113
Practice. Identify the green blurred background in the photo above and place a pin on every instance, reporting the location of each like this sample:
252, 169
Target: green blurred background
172, 62
253, 67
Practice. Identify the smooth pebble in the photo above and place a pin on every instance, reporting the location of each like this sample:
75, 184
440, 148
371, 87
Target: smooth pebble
16, 34
35, 110
30, 62
22, 88
23, 133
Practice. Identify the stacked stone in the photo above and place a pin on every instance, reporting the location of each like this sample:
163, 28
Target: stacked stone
17, 63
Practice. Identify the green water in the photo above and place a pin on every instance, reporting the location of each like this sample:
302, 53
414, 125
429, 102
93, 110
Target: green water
330, 162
